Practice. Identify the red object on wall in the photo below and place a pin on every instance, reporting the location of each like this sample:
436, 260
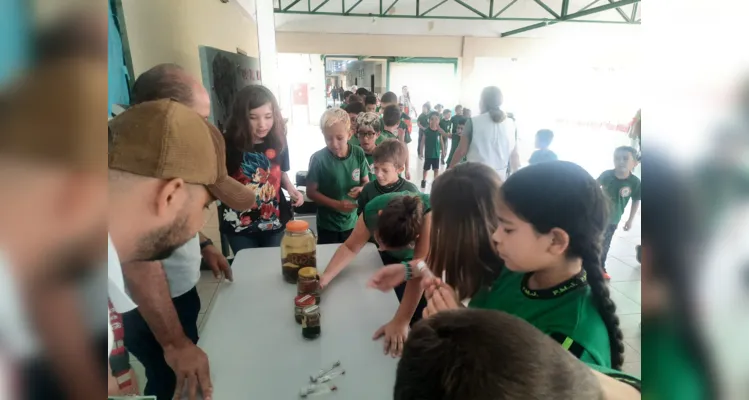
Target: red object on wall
300, 94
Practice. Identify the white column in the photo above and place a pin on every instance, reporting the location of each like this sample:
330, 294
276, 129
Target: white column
266, 37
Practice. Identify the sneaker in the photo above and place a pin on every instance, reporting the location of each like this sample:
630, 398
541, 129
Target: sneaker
423, 184
606, 276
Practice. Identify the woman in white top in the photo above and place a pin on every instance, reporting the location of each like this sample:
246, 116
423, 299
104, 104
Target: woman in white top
491, 136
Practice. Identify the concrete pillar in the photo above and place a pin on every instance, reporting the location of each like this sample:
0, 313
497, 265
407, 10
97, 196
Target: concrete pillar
266, 37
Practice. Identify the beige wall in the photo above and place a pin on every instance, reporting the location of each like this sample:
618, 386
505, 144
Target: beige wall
613, 51
160, 31
170, 31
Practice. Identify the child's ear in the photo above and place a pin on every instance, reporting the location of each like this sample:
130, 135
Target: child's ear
560, 241
379, 213
401, 169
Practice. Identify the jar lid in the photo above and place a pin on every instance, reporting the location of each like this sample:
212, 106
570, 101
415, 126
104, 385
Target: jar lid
304, 300
308, 272
297, 226
312, 309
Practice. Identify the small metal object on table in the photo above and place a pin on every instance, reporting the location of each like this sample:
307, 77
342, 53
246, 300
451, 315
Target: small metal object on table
256, 349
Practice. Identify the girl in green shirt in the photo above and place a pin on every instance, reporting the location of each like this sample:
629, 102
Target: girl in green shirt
530, 247
400, 223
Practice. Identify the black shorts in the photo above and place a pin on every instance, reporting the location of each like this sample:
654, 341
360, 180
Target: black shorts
431, 163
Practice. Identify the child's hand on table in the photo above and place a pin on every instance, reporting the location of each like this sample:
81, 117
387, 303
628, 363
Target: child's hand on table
346, 206
395, 333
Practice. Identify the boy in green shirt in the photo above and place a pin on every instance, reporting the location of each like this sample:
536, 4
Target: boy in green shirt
431, 148
455, 137
336, 177
446, 126
389, 160
393, 128
368, 138
502, 357
405, 123
619, 185
423, 122
353, 110
370, 103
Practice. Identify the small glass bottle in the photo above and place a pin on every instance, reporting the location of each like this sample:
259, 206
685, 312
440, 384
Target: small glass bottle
300, 303
298, 249
309, 283
311, 322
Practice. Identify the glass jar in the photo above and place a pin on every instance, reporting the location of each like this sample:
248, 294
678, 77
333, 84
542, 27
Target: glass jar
311, 322
298, 249
300, 303
309, 283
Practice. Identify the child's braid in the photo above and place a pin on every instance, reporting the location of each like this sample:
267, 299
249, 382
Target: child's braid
590, 255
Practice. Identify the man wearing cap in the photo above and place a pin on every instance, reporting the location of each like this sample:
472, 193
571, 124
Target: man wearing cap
166, 166
168, 325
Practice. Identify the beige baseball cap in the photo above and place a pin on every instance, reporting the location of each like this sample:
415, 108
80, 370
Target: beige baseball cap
165, 139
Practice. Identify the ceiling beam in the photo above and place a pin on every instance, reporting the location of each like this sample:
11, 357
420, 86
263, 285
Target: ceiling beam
287, 8
571, 17
592, 3
354, 6
505, 8
389, 8
320, 6
619, 10
548, 9
634, 11
431, 9
462, 3
565, 7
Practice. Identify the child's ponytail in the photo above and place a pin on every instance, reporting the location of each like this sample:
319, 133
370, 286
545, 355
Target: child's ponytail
602, 299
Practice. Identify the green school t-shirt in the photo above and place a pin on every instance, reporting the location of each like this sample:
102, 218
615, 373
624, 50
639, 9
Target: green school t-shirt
423, 120
406, 126
619, 191
385, 135
455, 121
370, 166
432, 143
374, 189
335, 177
446, 125
372, 216
565, 312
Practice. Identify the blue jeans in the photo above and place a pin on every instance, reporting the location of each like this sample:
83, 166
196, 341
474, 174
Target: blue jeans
254, 241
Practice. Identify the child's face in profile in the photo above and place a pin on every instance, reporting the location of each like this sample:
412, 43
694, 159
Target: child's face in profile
624, 162
336, 139
521, 247
370, 107
367, 138
387, 173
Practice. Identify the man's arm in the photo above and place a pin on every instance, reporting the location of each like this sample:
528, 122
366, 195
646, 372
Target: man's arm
150, 290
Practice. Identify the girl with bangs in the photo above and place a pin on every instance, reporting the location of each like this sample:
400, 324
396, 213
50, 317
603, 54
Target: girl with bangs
257, 155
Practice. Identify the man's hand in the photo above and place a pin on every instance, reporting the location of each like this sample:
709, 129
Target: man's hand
395, 333
217, 262
190, 365
387, 277
346, 206
628, 225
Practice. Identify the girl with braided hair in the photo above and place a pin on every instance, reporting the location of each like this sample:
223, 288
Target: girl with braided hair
533, 245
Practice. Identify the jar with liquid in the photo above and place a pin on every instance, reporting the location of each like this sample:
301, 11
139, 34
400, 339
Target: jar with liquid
298, 250
300, 303
311, 322
309, 283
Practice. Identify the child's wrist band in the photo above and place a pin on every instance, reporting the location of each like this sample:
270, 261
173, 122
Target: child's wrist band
409, 271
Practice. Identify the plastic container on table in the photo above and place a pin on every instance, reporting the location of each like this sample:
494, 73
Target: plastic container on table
311, 322
298, 250
300, 303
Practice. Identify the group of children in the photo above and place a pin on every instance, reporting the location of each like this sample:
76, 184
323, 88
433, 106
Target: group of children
501, 246
436, 127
